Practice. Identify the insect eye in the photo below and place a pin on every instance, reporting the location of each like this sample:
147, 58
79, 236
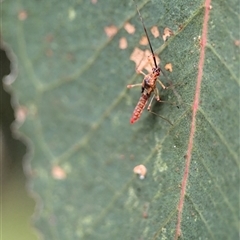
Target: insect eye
154, 70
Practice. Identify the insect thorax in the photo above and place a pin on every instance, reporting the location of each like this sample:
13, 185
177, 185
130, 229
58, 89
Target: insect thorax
156, 71
150, 80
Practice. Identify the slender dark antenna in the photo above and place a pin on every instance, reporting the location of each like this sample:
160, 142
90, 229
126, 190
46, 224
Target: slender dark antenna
154, 59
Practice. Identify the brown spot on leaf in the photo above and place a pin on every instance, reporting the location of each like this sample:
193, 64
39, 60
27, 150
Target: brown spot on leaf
111, 30
123, 43
142, 58
145, 210
143, 41
22, 15
20, 114
237, 43
58, 173
167, 33
141, 170
168, 67
129, 28
155, 31
180, 27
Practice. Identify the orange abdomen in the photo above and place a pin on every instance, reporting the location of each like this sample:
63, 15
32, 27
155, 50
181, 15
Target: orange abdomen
139, 108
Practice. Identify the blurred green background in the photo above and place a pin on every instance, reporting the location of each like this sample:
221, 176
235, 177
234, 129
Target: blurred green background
17, 206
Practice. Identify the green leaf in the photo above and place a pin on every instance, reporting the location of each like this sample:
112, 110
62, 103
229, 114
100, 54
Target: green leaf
71, 87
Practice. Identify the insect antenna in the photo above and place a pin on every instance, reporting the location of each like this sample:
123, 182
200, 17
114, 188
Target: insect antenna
154, 58
150, 45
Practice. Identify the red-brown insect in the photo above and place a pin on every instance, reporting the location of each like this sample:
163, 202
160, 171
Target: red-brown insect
148, 84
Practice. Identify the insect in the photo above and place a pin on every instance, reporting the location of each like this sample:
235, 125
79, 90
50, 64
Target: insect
148, 83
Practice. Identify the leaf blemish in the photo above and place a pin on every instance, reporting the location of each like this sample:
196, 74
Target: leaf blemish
145, 210
168, 67
123, 43
22, 15
155, 32
140, 58
21, 113
141, 170
111, 30
58, 173
237, 43
143, 41
167, 32
129, 28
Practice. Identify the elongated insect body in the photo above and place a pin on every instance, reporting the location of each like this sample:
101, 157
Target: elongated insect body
139, 108
148, 86
148, 83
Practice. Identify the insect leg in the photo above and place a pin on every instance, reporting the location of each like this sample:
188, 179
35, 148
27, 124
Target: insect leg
150, 103
134, 85
138, 84
156, 94
139, 71
161, 84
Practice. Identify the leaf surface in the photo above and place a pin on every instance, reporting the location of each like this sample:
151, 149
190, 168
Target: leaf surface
71, 84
